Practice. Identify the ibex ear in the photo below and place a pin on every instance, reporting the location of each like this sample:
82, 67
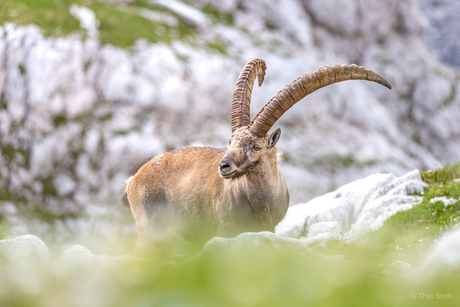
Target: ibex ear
274, 137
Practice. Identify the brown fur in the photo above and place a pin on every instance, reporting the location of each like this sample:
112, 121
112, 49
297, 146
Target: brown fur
182, 193
125, 201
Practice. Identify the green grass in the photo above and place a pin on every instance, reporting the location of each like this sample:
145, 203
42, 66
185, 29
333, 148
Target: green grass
119, 25
6, 196
3, 230
217, 45
225, 18
52, 16
408, 235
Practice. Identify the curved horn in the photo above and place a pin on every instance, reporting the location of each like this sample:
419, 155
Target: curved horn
242, 92
305, 85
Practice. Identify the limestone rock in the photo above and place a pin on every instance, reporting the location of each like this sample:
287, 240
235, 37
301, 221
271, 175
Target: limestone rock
442, 35
187, 13
25, 250
352, 210
87, 19
248, 243
80, 256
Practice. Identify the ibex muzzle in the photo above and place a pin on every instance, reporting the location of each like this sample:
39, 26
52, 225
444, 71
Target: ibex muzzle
227, 167
201, 192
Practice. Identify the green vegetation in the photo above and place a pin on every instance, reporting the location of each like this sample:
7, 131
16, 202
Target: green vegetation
10, 196
244, 278
7, 196
48, 186
333, 163
269, 24
408, 235
52, 16
124, 27
120, 25
218, 45
279, 279
59, 120
3, 229
9, 151
225, 18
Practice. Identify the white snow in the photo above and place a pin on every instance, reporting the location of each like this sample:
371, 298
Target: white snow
354, 209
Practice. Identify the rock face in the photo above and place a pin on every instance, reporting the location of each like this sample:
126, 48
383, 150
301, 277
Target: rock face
352, 210
28, 249
442, 35
77, 118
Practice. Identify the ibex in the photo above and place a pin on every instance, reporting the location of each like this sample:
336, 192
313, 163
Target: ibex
202, 192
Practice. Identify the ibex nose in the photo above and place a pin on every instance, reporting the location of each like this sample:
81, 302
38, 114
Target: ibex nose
224, 166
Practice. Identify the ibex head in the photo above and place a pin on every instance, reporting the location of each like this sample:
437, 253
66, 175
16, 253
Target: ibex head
245, 151
250, 140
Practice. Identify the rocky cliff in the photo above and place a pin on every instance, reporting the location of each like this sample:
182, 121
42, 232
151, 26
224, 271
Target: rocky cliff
78, 116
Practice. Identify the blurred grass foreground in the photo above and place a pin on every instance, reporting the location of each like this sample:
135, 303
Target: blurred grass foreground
255, 269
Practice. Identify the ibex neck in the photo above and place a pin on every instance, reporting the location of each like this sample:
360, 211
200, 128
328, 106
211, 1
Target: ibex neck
252, 199
260, 184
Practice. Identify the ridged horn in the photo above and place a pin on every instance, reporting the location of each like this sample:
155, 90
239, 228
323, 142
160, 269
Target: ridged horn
242, 93
305, 85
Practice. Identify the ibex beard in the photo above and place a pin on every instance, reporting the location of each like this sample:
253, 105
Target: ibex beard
196, 193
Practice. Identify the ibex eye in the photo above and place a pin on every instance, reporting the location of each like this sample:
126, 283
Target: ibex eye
257, 147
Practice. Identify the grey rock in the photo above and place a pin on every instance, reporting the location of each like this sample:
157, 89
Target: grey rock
261, 243
443, 34
80, 257
352, 210
25, 250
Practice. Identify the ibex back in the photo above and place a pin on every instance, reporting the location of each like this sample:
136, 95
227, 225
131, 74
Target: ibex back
202, 192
